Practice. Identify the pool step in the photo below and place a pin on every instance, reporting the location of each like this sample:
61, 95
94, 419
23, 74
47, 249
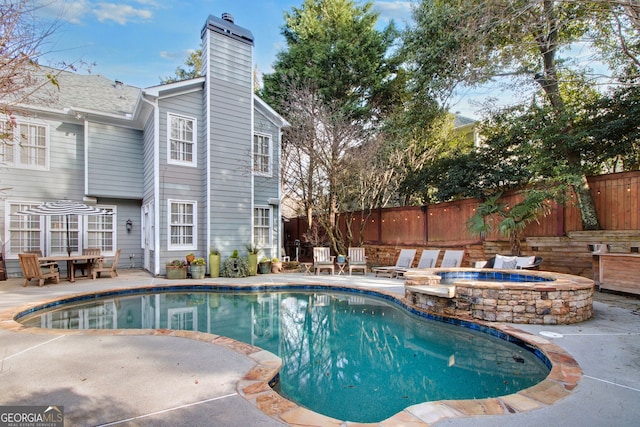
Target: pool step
443, 291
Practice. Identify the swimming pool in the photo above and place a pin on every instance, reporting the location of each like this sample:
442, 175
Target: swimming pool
338, 358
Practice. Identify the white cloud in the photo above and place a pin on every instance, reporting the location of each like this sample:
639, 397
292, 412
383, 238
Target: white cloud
121, 14
399, 11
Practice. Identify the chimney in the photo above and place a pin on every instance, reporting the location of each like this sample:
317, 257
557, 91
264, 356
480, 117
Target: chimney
227, 17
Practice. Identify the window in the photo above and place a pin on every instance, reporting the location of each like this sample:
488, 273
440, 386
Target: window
182, 225
24, 146
101, 231
262, 227
182, 142
25, 231
48, 234
262, 154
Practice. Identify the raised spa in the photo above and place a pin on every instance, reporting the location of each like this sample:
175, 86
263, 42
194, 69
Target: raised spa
349, 355
534, 297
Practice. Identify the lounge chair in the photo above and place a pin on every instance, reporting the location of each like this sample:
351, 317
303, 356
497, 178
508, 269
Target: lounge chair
428, 259
108, 266
32, 268
357, 260
323, 260
452, 259
512, 262
86, 264
404, 261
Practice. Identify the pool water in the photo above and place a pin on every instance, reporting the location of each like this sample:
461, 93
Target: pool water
345, 355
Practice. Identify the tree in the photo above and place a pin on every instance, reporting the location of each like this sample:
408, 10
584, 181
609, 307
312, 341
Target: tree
22, 38
336, 83
469, 42
193, 70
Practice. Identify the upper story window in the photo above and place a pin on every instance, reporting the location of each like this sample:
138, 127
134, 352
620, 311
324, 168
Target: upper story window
24, 145
262, 154
182, 140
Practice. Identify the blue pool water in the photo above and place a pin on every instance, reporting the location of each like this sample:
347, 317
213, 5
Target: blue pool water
347, 355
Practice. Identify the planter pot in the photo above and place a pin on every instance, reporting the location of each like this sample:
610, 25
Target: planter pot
197, 271
253, 264
176, 273
276, 267
341, 258
214, 265
265, 267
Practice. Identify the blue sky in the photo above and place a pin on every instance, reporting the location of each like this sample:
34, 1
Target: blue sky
140, 41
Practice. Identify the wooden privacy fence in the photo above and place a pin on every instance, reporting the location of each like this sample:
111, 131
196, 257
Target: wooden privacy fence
444, 224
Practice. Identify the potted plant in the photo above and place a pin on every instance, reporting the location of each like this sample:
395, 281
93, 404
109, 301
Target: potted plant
214, 263
252, 258
198, 268
190, 257
176, 269
234, 266
276, 265
341, 258
265, 265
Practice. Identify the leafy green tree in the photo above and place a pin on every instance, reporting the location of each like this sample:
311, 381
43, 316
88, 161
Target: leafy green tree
469, 42
193, 68
337, 83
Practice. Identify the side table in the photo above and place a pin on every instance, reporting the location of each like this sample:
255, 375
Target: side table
341, 266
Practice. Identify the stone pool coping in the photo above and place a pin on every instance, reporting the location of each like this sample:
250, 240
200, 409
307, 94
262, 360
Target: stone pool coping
254, 385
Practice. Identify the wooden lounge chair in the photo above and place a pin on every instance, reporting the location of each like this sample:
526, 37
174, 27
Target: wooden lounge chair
86, 264
32, 268
322, 260
404, 261
357, 260
108, 266
452, 259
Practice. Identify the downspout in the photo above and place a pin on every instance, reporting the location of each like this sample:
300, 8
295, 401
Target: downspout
156, 184
86, 157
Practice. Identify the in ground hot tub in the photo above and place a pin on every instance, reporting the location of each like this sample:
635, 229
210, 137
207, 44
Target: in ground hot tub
534, 297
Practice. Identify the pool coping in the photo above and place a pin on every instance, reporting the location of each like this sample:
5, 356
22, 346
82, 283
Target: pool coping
254, 386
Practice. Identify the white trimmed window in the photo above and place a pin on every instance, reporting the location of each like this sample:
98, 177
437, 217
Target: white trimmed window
182, 224
262, 227
182, 140
101, 231
262, 154
25, 145
48, 234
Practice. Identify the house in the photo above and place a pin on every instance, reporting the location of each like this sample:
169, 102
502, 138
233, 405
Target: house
467, 128
184, 167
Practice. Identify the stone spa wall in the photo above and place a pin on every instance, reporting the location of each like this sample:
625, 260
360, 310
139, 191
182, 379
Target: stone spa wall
550, 298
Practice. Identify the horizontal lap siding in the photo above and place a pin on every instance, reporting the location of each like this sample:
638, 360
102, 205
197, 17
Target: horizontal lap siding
230, 90
115, 161
178, 182
148, 154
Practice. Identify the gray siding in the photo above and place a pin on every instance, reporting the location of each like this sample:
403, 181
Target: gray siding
148, 161
180, 182
266, 187
230, 110
115, 161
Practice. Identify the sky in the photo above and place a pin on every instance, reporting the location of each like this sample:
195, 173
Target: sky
139, 42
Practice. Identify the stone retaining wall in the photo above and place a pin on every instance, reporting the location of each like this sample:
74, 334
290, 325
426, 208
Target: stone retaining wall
567, 299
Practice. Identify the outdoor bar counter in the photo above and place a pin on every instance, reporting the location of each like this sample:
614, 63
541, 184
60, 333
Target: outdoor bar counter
619, 272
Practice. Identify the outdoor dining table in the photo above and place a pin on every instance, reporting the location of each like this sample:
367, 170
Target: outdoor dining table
70, 259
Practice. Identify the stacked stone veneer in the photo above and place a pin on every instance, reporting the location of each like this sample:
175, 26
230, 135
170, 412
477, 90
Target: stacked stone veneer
567, 299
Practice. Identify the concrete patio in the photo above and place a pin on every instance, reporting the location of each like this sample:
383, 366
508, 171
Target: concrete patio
106, 379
